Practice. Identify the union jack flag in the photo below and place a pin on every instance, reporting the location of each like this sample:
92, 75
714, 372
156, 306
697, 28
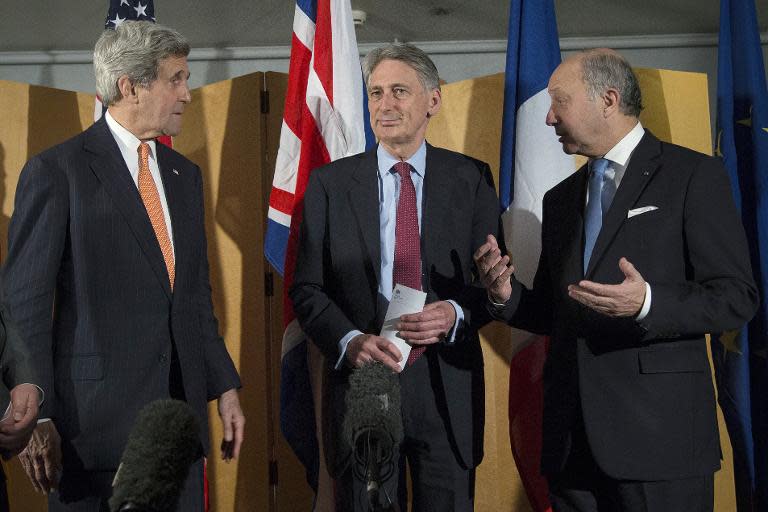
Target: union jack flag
324, 120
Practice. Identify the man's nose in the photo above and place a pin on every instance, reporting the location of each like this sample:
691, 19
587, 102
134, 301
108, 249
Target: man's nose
551, 119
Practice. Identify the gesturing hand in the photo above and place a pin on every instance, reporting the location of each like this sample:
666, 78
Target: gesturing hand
617, 300
495, 270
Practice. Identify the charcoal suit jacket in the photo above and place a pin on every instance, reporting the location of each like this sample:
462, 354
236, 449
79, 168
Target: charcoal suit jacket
338, 268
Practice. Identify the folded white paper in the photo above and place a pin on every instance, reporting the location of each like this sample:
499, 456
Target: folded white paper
639, 211
404, 301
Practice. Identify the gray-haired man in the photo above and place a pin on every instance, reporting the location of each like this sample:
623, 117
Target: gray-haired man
107, 277
413, 214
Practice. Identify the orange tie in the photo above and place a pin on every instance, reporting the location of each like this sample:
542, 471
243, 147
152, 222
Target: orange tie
151, 198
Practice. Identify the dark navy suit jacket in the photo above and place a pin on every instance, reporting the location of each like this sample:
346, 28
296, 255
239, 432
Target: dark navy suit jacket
86, 283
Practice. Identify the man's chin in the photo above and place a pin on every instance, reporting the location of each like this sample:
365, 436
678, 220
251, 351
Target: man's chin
171, 132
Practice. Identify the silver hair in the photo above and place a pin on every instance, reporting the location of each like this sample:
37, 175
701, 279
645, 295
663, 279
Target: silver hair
407, 54
135, 49
603, 70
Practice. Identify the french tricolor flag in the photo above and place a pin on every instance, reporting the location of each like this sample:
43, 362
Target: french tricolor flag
532, 161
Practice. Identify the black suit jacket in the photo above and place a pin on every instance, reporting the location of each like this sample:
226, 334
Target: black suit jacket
86, 283
643, 388
338, 267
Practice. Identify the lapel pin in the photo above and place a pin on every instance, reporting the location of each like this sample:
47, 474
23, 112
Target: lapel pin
645, 173
177, 172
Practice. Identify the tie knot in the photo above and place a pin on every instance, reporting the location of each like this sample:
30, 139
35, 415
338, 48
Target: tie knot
144, 152
599, 166
403, 169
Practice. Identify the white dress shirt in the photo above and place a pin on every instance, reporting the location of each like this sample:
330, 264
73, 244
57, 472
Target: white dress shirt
129, 148
619, 157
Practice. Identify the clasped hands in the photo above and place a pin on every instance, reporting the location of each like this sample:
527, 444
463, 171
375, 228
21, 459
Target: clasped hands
429, 326
616, 300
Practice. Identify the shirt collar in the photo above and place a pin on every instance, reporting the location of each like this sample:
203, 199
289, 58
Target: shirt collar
128, 142
621, 152
418, 160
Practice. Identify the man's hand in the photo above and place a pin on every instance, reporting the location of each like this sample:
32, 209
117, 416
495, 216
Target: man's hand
617, 300
495, 270
430, 326
17, 428
233, 423
41, 458
366, 348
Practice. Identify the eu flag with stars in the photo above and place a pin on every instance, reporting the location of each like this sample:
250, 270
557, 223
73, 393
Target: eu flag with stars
742, 142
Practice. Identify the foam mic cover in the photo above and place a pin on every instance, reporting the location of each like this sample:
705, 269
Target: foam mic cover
161, 447
373, 409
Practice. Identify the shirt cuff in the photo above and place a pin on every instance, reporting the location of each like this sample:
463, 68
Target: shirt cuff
646, 303
451, 338
343, 342
42, 395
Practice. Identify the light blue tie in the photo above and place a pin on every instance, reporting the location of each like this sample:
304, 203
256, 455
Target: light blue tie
594, 214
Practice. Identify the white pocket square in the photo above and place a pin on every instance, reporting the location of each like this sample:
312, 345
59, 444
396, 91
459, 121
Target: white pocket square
640, 211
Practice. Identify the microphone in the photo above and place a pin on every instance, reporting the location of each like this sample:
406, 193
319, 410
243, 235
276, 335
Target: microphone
373, 426
162, 445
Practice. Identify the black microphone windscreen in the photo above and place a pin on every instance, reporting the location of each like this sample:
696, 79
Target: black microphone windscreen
373, 406
161, 447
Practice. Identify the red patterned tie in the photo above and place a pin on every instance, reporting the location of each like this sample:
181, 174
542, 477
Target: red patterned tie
407, 266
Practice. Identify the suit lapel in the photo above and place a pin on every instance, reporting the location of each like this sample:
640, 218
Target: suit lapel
363, 195
569, 229
642, 166
436, 197
108, 166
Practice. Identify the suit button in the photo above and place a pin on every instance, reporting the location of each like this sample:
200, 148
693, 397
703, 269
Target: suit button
163, 358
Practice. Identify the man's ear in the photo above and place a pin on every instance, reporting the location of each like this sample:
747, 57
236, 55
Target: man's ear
611, 102
127, 88
435, 100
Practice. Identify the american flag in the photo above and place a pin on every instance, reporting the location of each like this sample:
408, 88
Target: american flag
121, 10
324, 120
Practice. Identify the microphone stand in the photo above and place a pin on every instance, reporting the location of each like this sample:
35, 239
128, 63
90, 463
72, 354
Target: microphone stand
373, 459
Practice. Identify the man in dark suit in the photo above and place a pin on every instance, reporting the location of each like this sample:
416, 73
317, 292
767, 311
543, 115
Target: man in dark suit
19, 398
405, 213
642, 254
107, 277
